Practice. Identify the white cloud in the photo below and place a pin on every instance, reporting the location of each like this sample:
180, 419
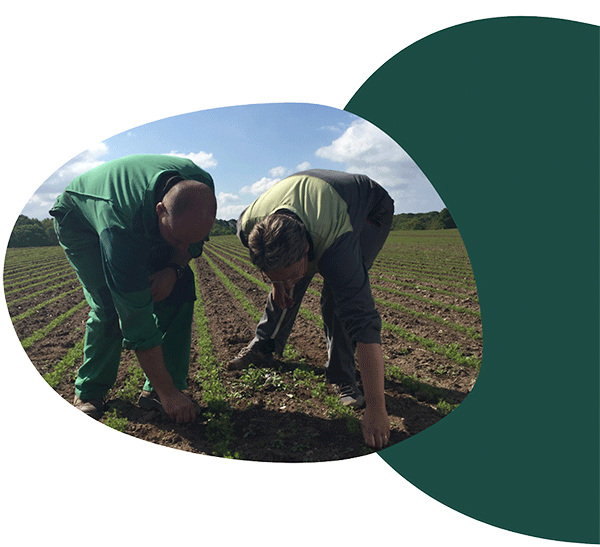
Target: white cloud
201, 159
363, 142
43, 199
278, 171
260, 186
225, 197
230, 211
365, 149
39, 205
78, 165
303, 166
339, 128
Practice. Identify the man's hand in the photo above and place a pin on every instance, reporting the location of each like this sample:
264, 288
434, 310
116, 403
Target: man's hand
281, 296
375, 422
162, 283
177, 406
376, 427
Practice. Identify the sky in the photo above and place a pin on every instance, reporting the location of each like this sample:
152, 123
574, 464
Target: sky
247, 149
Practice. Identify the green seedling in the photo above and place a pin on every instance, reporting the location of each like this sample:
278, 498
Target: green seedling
115, 421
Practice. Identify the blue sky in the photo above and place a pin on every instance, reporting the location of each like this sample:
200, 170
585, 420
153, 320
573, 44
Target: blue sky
249, 148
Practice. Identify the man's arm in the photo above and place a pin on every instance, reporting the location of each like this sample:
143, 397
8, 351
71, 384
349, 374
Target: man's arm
375, 423
348, 279
176, 404
163, 281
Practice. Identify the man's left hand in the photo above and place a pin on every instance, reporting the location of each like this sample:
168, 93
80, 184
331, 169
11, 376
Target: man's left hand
162, 283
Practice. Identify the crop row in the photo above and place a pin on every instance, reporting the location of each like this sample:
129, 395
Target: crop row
23, 259
241, 256
385, 302
428, 389
452, 351
431, 337
223, 397
390, 264
237, 255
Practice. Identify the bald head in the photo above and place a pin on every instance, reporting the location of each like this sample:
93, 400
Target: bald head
188, 211
190, 194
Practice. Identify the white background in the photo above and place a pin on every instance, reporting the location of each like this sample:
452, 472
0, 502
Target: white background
77, 73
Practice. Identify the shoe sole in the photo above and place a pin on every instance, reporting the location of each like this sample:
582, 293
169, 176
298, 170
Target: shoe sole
354, 403
243, 364
237, 366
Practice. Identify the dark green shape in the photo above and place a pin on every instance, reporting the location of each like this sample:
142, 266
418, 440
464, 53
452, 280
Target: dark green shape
502, 116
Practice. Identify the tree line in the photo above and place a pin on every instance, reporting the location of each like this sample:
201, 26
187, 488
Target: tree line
31, 232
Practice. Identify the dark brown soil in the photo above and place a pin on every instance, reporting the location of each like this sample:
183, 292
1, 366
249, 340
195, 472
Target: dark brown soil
279, 420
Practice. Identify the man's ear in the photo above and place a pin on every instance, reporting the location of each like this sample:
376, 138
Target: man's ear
160, 208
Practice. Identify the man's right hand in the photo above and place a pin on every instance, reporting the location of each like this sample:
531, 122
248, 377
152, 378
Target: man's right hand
178, 407
376, 427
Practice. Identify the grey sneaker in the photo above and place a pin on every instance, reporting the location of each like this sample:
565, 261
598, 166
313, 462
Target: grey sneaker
94, 408
149, 400
350, 394
247, 356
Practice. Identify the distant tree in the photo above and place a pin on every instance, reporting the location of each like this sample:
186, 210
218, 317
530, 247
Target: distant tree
30, 232
26, 220
48, 225
446, 219
28, 235
417, 223
223, 227
423, 221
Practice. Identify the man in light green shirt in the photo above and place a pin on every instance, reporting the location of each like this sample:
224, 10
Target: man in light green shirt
333, 223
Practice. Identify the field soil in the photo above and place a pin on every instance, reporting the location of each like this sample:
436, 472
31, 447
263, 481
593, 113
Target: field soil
278, 418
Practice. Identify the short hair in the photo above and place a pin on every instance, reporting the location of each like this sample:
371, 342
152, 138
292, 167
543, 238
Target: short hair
277, 241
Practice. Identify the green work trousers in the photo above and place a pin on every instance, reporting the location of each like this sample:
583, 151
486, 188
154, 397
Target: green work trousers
103, 339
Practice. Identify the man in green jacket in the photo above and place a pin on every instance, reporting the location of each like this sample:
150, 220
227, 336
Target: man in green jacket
333, 223
129, 228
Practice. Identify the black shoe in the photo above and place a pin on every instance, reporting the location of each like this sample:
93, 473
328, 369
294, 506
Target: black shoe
247, 356
350, 394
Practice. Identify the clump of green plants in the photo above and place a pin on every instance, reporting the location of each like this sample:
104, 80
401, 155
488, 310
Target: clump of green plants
260, 378
338, 410
114, 420
444, 407
134, 382
308, 379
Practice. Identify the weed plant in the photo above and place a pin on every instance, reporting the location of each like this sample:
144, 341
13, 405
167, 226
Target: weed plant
133, 384
113, 419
